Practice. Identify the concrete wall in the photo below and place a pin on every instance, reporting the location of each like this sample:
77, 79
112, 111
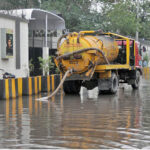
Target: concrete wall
24, 49
9, 65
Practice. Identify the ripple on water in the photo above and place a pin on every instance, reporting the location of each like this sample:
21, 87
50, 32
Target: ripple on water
121, 121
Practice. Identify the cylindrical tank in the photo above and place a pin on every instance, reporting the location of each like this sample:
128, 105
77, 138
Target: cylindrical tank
81, 61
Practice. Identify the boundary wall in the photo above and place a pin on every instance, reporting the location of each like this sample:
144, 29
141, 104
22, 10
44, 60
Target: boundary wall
13, 88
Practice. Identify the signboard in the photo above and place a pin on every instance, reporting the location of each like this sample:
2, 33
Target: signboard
9, 42
6, 43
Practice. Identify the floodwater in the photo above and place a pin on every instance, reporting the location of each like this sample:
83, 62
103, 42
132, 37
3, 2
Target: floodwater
85, 121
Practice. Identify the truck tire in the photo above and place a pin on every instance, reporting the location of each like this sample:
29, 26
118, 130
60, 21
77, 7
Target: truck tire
72, 87
111, 85
136, 83
114, 83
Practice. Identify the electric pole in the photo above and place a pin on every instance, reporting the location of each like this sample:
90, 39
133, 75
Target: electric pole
137, 14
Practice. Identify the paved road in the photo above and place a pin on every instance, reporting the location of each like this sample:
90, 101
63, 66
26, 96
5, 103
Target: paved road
85, 121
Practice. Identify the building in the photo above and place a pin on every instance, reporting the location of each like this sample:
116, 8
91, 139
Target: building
14, 45
37, 38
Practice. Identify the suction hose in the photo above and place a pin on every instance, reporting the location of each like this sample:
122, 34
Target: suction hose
59, 86
84, 50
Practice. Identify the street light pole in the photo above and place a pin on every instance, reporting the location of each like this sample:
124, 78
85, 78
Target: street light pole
46, 28
137, 13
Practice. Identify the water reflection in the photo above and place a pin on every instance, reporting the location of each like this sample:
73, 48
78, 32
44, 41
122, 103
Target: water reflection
88, 94
80, 121
97, 124
146, 73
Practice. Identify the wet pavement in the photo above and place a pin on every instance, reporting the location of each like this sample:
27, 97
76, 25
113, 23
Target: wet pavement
85, 121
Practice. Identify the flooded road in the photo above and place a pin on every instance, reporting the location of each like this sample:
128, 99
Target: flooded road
86, 121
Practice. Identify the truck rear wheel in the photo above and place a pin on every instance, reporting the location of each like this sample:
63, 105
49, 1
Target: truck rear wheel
90, 84
72, 87
136, 83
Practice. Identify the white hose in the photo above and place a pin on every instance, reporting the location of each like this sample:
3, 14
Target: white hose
59, 86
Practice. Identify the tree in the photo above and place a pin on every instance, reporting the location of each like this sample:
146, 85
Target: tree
122, 18
77, 13
19, 4
145, 19
111, 15
115, 15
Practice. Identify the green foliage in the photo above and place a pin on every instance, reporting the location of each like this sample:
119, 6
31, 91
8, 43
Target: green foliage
112, 15
115, 15
77, 14
146, 58
145, 30
122, 19
47, 65
145, 19
18, 4
31, 65
57, 71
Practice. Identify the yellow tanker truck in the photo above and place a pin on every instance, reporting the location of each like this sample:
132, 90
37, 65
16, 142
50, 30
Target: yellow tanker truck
94, 58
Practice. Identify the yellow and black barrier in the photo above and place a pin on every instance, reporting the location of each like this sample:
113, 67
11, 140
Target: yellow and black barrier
12, 88
49, 83
31, 85
146, 72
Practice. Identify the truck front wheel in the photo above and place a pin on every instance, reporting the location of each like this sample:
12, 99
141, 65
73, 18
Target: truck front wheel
114, 83
109, 86
136, 83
